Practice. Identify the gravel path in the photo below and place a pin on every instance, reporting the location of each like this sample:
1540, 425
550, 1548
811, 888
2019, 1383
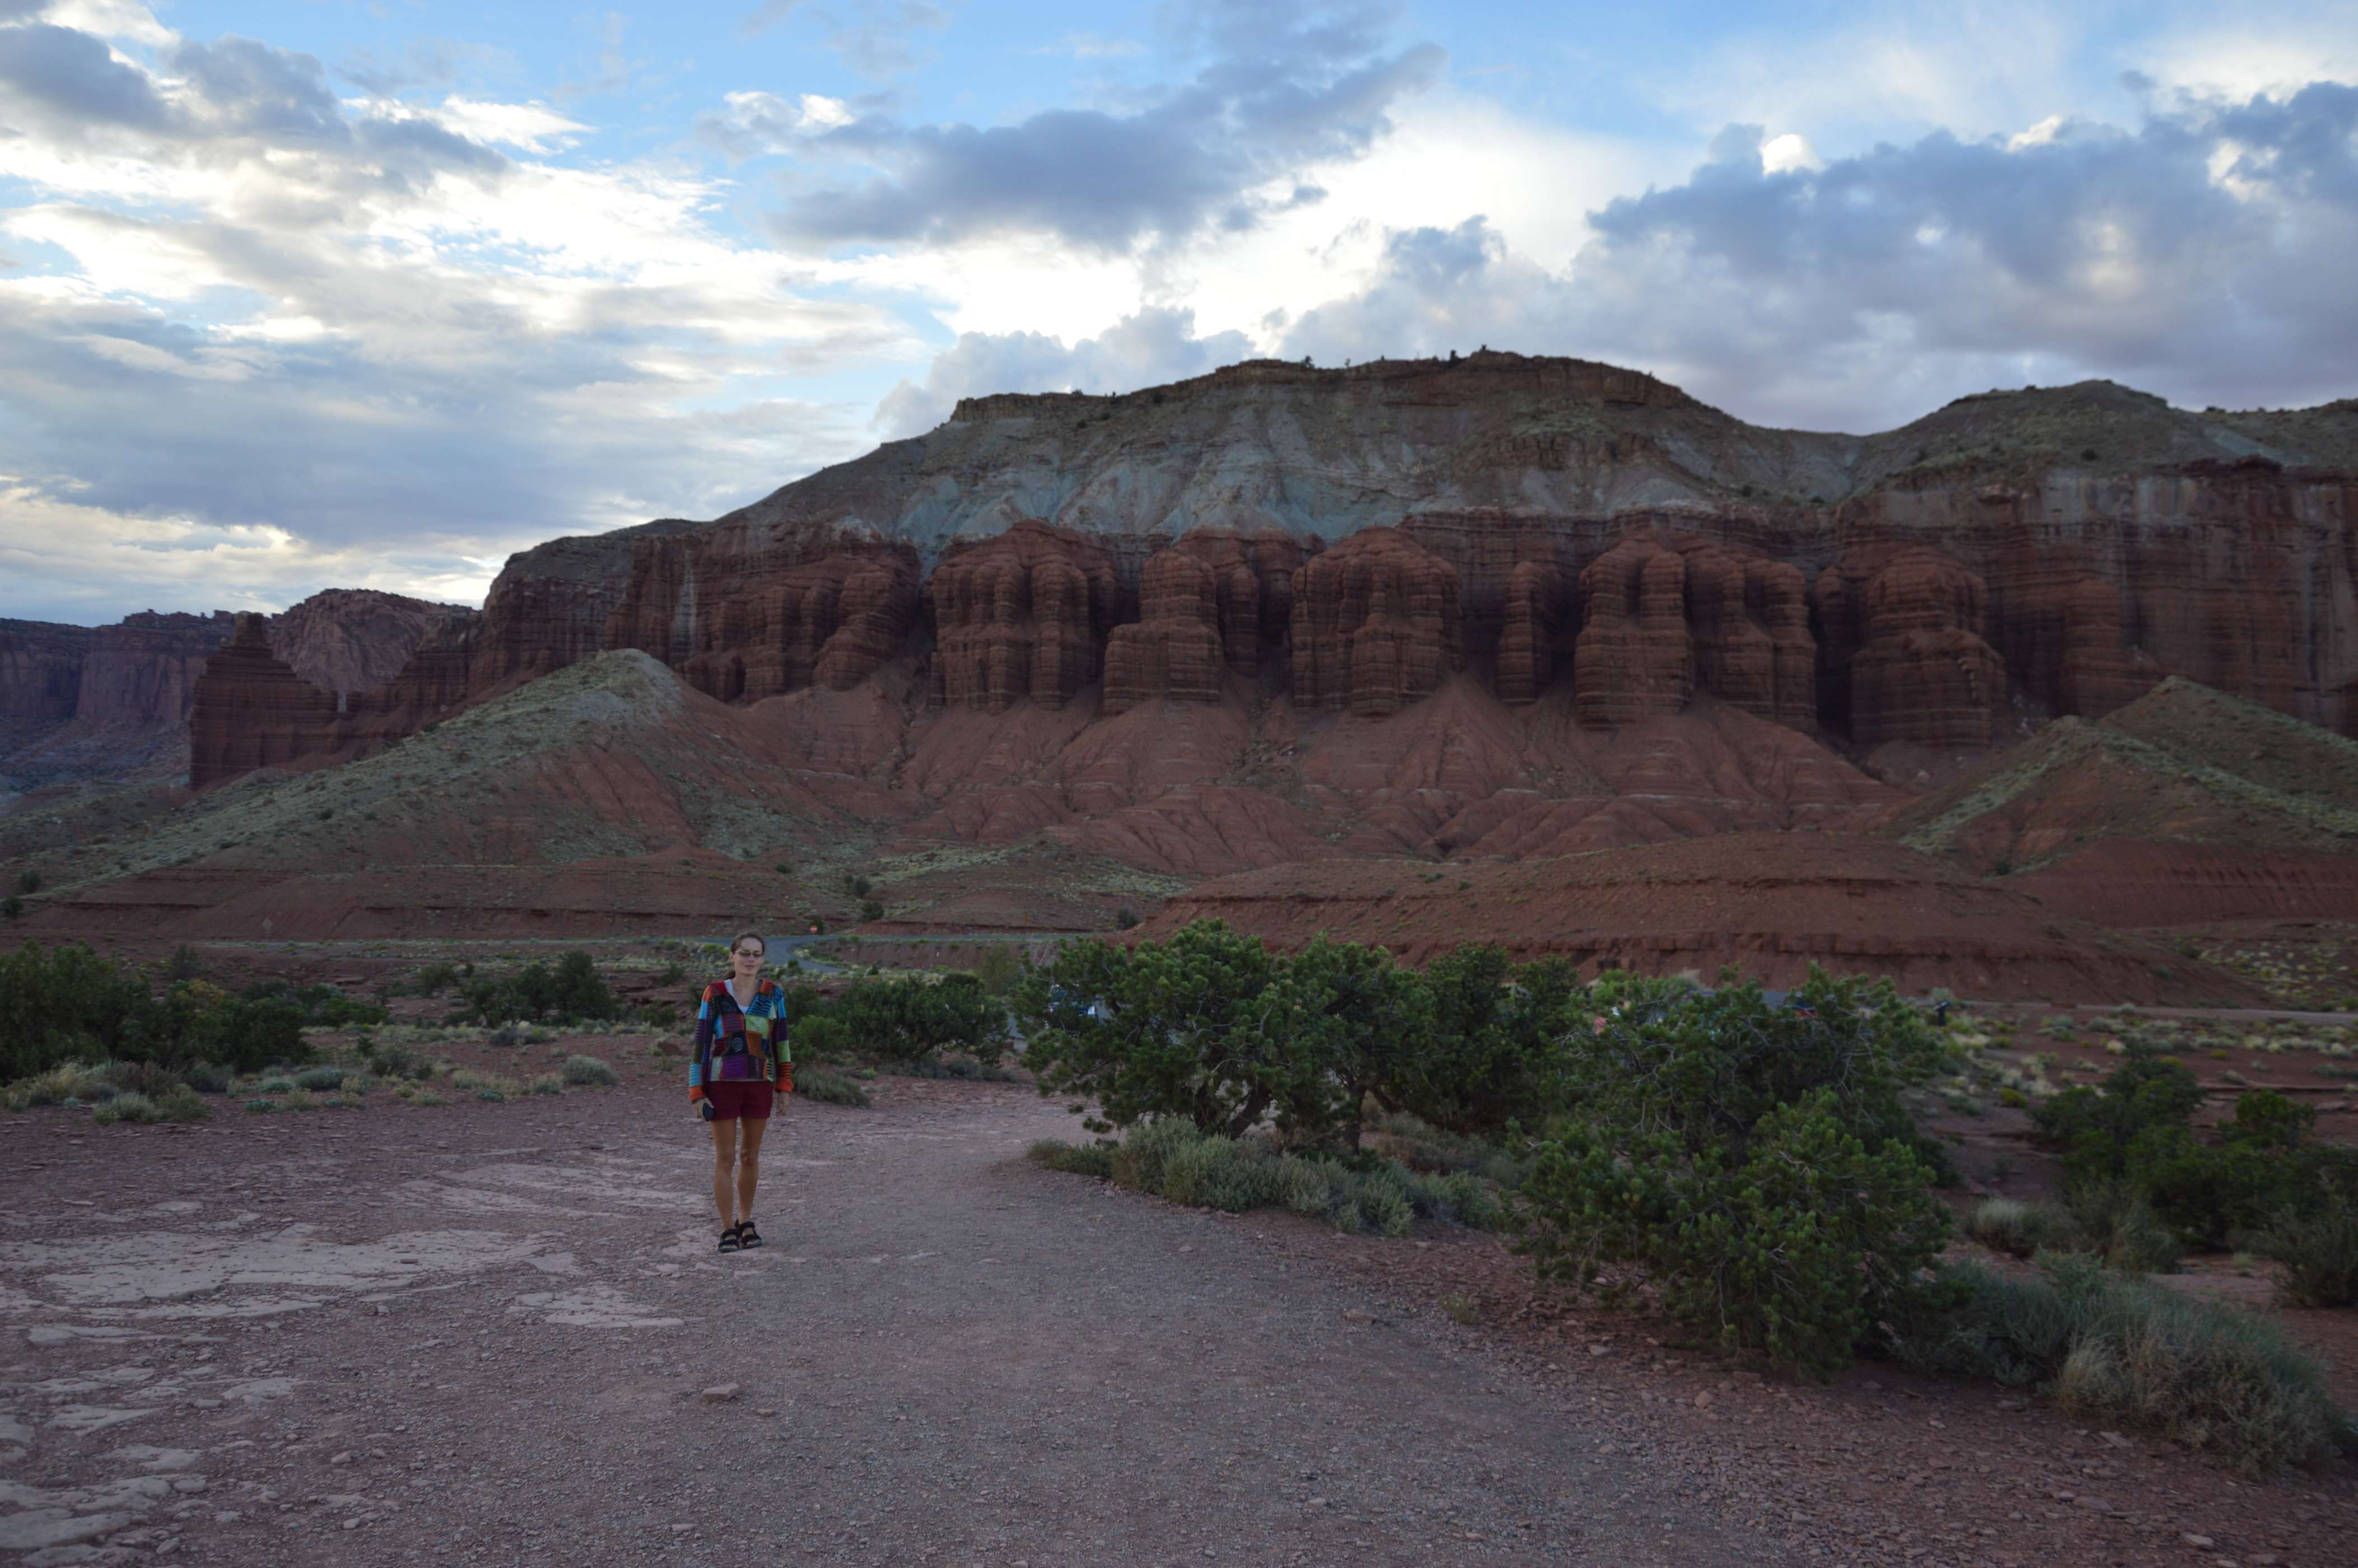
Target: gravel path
486, 1333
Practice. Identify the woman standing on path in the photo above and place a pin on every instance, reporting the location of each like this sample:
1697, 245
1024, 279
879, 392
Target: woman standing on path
740, 1065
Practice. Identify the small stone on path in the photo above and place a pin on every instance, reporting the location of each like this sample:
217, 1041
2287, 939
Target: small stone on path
719, 1393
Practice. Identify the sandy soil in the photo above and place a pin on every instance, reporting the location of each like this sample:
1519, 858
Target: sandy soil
485, 1333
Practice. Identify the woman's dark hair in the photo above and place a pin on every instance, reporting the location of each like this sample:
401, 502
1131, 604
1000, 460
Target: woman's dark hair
734, 942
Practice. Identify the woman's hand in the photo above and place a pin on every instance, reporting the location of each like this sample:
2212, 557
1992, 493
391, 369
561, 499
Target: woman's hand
694, 1093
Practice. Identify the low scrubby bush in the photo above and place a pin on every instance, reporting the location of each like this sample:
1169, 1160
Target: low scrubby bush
2020, 1229
321, 1080
829, 1086
1171, 1158
2318, 1244
131, 1107
209, 1077
590, 1071
2114, 1350
547, 1084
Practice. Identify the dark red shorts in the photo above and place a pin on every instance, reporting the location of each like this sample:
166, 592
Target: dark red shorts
750, 1099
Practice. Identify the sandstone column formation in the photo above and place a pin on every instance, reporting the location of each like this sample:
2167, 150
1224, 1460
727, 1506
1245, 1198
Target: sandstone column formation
753, 610
1375, 625
1904, 647
253, 711
1023, 614
1633, 660
1214, 601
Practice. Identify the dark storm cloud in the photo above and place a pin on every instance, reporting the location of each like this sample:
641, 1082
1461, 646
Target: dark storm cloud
1280, 93
2202, 254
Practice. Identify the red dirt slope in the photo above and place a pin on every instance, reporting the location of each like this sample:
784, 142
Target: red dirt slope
1771, 903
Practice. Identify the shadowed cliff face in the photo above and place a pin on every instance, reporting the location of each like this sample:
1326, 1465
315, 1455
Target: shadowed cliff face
1352, 538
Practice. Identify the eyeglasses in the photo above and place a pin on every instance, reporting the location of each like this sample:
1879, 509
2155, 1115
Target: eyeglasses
747, 953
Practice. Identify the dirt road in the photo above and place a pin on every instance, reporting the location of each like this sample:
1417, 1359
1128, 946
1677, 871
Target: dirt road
485, 1333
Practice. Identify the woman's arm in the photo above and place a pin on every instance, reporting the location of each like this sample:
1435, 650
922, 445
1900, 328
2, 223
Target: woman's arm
697, 1057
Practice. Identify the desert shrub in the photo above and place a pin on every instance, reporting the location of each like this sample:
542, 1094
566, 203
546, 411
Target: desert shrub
127, 1108
829, 1087
1497, 1059
390, 1059
1794, 1239
2318, 1244
2114, 1220
433, 980
1124, 918
1757, 1162
149, 1078
2011, 1226
870, 908
320, 1006
484, 1085
1213, 1028
183, 965
2135, 1132
29, 881
321, 1080
997, 969
590, 1070
905, 1021
242, 1035
1424, 1148
2117, 1351
1171, 1158
547, 1084
1074, 1159
208, 1077
65, 1003
537, 993
12, 907
182, 1104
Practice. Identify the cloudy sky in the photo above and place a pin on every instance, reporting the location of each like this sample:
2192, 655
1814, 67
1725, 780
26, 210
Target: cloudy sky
322, 293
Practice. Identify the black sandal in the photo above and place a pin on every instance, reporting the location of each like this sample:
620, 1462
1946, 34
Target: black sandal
728, 1242
747, 1237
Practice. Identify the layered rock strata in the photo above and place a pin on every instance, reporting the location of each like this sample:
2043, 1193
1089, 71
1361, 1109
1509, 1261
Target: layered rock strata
1375, 624
1023, 614
1212, 604
1905, 659
2114, 539
750, 610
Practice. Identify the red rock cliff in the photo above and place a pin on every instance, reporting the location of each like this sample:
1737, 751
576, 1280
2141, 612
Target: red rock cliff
1023, 614
1213, 602
1376, 624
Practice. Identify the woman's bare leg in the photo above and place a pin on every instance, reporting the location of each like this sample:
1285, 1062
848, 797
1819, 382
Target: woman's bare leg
724, 1156
749, 1165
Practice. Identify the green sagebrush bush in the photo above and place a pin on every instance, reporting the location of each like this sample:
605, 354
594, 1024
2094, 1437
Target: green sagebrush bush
2113, 1350
904, 1020
2316, 1242
1756, 1162
590, 1072
1171, 1158
829, 1087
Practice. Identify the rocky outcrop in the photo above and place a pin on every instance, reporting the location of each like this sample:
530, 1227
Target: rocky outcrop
1376, 624
1904, 654
1211, 604
1023, 614
751, 610
349, 640
1633, 660
253, 711
40, 672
